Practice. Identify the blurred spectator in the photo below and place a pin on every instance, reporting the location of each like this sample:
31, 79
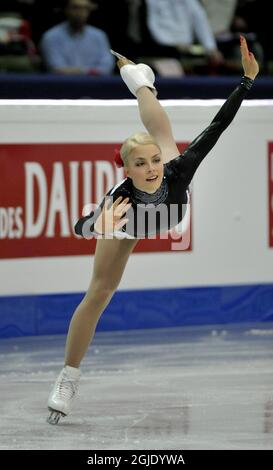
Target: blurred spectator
258, 19
17, 50
220, 14
137, 31
115, 30
176, 23
173, 27
74, 47
41, 14
227, 25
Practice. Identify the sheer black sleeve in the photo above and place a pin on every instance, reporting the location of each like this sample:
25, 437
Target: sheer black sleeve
188, 162
85, 225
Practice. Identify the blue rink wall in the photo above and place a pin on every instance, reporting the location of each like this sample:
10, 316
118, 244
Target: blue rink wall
151, 308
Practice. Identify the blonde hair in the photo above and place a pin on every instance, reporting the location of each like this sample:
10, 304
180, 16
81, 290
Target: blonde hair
139, 138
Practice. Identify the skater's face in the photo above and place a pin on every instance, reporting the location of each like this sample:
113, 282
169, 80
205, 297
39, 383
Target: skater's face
145, 167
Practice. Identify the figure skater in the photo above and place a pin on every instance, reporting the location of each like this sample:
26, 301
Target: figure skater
156, 174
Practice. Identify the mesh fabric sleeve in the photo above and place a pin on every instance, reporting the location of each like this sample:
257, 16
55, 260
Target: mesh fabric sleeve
186, 164
85, 226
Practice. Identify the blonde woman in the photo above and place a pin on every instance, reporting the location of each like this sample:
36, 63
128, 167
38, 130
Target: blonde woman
157, 175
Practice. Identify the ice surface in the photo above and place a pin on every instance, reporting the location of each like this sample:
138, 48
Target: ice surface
179, 388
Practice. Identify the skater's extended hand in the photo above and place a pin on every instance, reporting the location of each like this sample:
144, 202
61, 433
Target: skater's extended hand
110, 218
249, 63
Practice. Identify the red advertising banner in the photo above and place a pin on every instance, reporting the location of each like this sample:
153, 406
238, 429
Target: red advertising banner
44, 188
270, 192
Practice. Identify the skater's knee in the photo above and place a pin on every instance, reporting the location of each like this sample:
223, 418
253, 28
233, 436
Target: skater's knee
105, 283
102, 288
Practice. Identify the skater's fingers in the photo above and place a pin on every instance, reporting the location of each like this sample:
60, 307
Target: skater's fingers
122, 204
249, 63
126, 208
244, 47
107, 203
121, 223
122, 209
117, 202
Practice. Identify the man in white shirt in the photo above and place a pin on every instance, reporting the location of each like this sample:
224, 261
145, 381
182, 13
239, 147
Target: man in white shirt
177, 23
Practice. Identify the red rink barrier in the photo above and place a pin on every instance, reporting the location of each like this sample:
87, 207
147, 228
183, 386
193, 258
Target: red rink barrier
44, 189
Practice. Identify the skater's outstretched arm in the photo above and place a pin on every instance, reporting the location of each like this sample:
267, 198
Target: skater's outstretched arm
152, 114
201, 146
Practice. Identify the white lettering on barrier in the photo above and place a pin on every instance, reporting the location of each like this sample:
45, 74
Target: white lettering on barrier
87, 183
11, 224
52, 198
271, 190
58, 203
104, 172
52, 203
74, 191
34, 172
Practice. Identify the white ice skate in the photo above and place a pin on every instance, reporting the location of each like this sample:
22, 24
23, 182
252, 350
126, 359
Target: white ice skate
63, 393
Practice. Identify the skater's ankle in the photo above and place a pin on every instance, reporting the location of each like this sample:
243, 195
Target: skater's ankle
73, 372
71, 367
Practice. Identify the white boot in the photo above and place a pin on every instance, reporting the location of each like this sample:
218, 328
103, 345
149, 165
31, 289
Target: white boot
138, 75
63, 393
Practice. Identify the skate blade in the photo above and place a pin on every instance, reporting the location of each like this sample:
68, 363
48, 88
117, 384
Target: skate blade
117, 54
54, 416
